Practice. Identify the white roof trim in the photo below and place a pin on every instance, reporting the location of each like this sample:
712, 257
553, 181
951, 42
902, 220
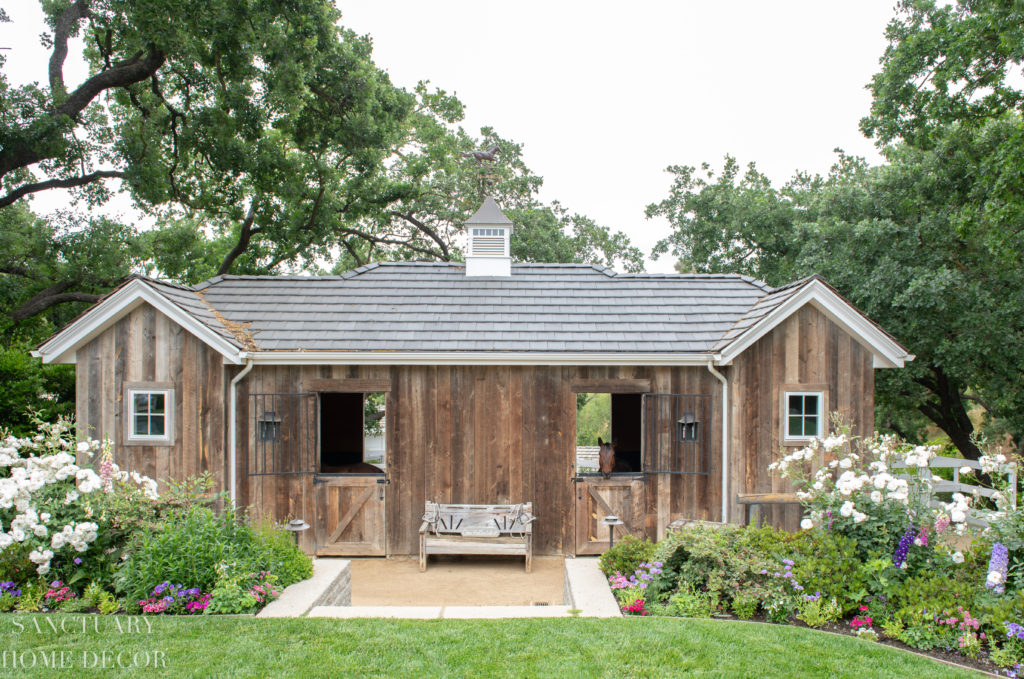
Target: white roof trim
887, 352
61, 347
469, 358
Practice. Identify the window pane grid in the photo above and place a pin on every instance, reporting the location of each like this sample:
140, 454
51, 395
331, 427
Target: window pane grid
802, 415
149, 415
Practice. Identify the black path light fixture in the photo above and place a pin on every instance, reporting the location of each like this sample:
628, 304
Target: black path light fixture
296, 526
611, 521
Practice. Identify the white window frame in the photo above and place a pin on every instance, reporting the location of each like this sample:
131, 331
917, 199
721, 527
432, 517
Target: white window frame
130, 391
822, 410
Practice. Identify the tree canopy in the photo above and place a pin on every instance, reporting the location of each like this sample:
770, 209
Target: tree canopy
256, 137
929, 244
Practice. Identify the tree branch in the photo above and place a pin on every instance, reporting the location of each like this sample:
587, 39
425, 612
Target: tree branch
62, 30
49, 297
244, 236
446, 254
68, 183
124, 73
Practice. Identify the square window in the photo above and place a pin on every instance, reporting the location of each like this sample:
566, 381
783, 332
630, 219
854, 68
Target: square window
803, 415
149, 416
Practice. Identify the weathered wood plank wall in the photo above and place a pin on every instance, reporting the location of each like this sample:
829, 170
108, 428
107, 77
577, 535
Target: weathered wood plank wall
146, 346
470, 434
486, 434
806, 349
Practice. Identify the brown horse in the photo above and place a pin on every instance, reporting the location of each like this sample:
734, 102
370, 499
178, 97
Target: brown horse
607, 461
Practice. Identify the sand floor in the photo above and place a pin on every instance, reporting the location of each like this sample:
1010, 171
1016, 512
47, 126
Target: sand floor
457, 581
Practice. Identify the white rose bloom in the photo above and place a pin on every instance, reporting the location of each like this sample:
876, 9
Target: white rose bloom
958, 557
807, 524
876, 496
5, 541
859, 516
846, 509
17, 534
994, 578
966, 470
958, 516
83, 446
846, 463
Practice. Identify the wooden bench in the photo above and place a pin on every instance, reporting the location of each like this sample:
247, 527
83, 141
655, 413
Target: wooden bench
749, 500
477, 529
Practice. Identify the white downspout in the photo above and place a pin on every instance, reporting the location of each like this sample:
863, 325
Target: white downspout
232, 434
725, 440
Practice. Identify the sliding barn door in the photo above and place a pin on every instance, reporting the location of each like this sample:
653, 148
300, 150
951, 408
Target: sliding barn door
621, 495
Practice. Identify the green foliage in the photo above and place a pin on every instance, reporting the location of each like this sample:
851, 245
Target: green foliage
626, 556
108, 604
593, 418
946, 63
745, 606
190, 544
284, 560
720, 560
819, 612
827, 562
32, 390
687, 603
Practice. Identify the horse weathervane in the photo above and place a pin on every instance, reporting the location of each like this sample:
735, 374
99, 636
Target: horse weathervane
483, 158
486, 156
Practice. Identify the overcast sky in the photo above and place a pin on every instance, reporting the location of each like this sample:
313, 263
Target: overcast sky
604, 96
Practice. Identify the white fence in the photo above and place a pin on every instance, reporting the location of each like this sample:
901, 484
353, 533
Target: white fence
958, 486
586, 458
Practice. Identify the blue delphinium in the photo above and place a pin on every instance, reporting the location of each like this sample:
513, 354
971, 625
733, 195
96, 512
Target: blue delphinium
997, 568
900, 557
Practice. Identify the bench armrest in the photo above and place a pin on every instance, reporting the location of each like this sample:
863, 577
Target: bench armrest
424, 526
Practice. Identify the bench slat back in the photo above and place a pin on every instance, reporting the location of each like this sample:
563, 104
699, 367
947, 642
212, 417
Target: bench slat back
479, 520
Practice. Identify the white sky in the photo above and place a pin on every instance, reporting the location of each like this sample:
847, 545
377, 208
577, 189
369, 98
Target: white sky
605, 95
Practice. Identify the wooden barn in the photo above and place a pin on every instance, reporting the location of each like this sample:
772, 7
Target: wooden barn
349, 400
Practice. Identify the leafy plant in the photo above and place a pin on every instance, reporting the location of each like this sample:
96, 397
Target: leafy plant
626, 556
817, 611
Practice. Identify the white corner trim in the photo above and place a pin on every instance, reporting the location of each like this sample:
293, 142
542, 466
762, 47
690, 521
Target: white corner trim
61, 347
469, 358
886, 352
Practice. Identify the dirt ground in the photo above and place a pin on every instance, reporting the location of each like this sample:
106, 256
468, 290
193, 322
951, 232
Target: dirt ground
457, 581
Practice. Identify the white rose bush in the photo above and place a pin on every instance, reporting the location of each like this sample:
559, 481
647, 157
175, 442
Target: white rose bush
874, 491
59, 518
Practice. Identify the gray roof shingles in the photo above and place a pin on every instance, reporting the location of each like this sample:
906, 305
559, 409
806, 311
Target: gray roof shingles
414, 306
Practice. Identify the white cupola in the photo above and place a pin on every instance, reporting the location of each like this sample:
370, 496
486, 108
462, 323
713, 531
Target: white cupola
489, 231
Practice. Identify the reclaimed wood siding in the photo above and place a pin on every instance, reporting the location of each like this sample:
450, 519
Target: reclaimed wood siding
147, 346
483, 435
807, 348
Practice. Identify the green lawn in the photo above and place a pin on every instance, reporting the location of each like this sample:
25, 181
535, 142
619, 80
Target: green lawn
307, 648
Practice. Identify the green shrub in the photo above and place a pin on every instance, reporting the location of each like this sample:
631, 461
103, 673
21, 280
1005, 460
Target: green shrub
690, 604
721, 560
745, 606
286, 561
191, 543
819, 611
626, 556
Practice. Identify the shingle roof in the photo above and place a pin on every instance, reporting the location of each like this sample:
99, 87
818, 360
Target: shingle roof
411, 306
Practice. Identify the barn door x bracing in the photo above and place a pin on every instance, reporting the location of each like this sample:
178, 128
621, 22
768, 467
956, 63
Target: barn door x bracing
622, 495
350, 515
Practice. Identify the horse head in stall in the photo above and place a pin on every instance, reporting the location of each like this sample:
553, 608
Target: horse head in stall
608, 462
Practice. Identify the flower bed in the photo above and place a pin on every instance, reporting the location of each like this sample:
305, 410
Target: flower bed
82, 538
874, 558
